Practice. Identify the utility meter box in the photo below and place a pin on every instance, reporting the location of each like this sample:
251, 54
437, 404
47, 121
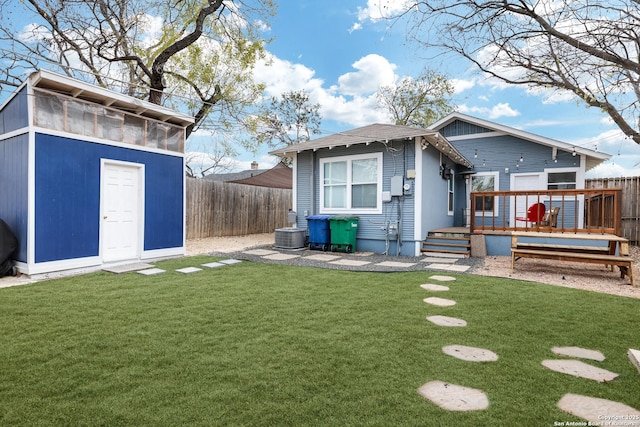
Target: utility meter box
396, 185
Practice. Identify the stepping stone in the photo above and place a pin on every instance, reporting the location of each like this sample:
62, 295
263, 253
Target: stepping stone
579, 352
151, 271
118, 269
580, 369
322, 257
442, 302
599, 412
470, 354
454, 397
280, 257
435, 260
446, 321
431, 287
448, 267
350, 262
396, 264
634, 357
443, 278
214, 265
189, 270
230, 261
260, 252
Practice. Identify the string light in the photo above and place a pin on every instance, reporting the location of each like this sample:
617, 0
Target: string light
521, 158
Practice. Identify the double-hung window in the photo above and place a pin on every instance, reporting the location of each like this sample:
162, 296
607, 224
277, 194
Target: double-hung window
351, 184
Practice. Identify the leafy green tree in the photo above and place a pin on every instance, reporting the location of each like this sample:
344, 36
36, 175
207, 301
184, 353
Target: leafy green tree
290, 119
417, 102
198, 53
588, 49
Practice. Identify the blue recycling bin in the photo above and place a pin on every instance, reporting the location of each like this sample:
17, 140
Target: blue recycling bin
319, 232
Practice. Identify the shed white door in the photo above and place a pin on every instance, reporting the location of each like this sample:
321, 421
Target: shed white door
524, 182
122, 186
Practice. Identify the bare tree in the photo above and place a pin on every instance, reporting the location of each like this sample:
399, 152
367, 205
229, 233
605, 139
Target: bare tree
200, 51
417, 102
588, 48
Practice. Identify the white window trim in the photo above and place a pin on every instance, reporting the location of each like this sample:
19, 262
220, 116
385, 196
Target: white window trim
496, 205
348, 209
451, 181
548, 171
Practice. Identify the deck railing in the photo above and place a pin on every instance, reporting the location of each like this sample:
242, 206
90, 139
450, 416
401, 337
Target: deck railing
578, 211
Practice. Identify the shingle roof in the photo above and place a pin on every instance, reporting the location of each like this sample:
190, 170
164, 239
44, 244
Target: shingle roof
377, 133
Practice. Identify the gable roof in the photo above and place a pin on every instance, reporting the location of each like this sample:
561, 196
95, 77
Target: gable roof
280, 176
382, 133
485, 128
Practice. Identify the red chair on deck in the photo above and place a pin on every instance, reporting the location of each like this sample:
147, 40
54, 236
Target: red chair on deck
535, 213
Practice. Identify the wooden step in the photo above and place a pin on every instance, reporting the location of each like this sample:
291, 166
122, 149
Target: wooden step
447, 243
445, 251
454, 245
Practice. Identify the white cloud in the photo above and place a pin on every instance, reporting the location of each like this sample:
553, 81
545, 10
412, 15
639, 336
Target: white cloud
497, 111
355, 27
372, 72
460, 85
380, 9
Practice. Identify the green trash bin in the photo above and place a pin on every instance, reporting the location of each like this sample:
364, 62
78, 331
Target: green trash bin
343, 233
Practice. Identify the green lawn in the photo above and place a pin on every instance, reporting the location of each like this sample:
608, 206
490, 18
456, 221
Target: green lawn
263, 344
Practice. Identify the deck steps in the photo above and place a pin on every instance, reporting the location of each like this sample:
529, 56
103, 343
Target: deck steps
447, 244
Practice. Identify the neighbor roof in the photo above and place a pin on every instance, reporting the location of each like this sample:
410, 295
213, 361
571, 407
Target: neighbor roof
594, 158
382, 133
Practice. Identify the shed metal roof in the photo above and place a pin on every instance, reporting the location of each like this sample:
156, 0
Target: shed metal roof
49, 80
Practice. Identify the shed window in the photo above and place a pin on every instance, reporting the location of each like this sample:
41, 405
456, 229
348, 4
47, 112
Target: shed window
351, 184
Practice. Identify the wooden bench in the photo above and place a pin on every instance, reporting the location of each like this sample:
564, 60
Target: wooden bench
605, 255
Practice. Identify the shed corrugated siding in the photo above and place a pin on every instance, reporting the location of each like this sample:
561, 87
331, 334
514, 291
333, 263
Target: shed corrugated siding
67, 191
458, 128
15, 115
14, 162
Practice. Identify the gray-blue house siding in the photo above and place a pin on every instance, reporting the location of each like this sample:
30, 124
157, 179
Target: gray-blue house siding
467, 148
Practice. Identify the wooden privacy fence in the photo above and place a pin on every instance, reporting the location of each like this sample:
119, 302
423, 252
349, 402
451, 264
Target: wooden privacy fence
216, 209
630, 210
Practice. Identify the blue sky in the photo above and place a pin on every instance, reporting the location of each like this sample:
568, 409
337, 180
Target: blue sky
340, 53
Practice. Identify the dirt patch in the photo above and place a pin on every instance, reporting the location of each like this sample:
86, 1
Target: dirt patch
578, 275
228, 244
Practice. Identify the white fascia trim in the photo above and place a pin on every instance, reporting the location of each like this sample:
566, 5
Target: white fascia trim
418, 196
54, 266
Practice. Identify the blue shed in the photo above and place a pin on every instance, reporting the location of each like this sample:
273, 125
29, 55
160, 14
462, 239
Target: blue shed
89, 176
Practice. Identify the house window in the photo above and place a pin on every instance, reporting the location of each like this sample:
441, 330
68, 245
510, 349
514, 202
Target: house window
481, 182
561, 180
450, 193
351, 184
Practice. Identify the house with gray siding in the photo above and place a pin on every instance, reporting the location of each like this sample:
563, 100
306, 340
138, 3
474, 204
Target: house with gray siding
402, 182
